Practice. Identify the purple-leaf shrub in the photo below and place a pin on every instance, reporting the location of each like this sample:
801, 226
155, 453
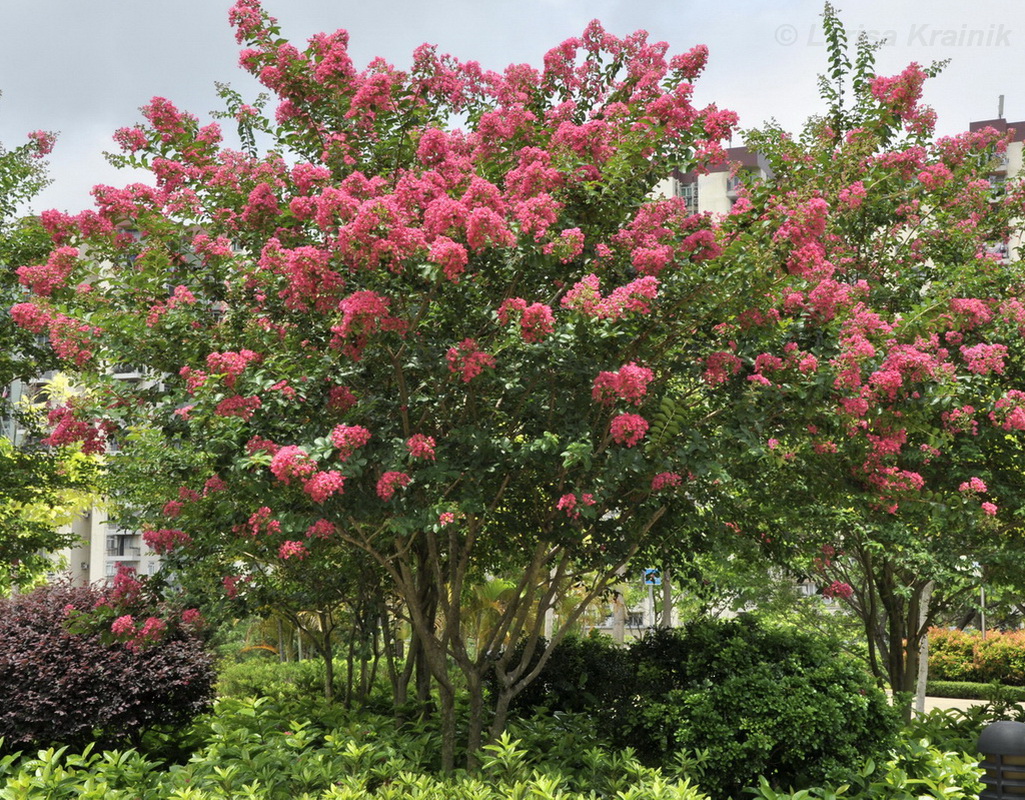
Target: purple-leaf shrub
70, 686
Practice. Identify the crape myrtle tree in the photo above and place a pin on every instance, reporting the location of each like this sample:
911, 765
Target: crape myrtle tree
39, 487
879, 387
433, 321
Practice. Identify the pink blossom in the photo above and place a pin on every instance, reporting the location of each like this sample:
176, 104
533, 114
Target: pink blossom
665, 480
290, 549
323, 485
567, 247
720, 367
123, 626
214, 484
982, 359
390, 482
630, 383
446, 518
292, 462
838, 589
989, 509
43, 141
322, 529
152, 630
628, 429
340, 399
421, 446
467, 359
348, 438
164, 540
238, 406
973, 485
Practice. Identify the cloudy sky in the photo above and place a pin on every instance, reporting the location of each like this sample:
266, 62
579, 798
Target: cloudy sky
84, 68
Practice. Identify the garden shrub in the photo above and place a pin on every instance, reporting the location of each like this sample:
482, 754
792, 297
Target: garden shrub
956, 655
951, 655
261, 678
581, 674
63, 683
755, 701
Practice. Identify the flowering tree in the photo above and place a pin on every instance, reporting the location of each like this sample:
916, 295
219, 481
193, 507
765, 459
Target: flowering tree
877, 385
40, 489
445, 347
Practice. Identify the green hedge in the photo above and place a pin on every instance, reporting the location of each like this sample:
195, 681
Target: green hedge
967, 690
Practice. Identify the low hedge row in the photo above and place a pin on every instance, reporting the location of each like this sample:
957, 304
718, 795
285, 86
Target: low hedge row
967, 690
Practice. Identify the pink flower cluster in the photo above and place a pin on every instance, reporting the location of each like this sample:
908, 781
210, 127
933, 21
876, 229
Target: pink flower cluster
586, 298
536, 320
321, 529
468, 360
570, 503
838, 589
230, 364
348, 438
340, 399
259, 522
665, 480
292, 462
363, 313
630, 383
68, 429
628, 429
296, 550
975, 485
323, 485
982, 359
165, 540
238, 406
44, 279
391, 482
1009, 411
421, 446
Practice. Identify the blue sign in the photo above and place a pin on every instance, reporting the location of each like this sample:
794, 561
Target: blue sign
652, 577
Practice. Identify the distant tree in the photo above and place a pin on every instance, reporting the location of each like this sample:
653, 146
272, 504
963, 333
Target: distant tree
40, 487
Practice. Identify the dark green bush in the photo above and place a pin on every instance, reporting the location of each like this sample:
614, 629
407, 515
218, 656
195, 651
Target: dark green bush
581, 674
761, 702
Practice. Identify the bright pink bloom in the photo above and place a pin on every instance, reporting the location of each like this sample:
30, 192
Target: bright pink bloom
665, 480
292, 462
322, 529
164, 540
152, 630
446, 518
323, 485
630, 383
238, 406
421, 446
467, 359
348, 438
838, 589
628, 429
296, 550
123, 626
989, 509
390, 482
973, 485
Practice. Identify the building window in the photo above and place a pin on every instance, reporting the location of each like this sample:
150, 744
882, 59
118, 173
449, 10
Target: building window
689, 193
